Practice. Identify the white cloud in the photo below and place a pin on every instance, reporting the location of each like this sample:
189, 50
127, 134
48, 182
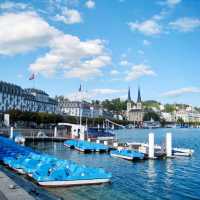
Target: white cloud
161, 15
185, 24
180, 92
69, 16
62, 3
107, 91
138, 71
114, 72
169, 3
124, 63
7, 5
83, 73
89, 68
79, 96
76, 58
146, 43
98, 93
90, 4
66, 54
148, 27
173, 2
23, 32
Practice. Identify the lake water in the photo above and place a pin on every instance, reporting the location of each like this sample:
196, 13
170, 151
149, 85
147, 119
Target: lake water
177, 178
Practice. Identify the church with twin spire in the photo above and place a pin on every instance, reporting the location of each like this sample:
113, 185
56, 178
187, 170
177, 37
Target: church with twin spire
135, 112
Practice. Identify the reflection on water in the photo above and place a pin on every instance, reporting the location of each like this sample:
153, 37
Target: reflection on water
177, 178
151, 172
169, 172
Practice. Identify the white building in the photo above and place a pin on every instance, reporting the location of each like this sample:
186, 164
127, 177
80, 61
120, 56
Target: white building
73, 108
33, 100
162, 107
168, 117
188, 115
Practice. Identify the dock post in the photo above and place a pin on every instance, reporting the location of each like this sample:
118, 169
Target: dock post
82, 133
11, 133
151, 145
55, 131
168, 144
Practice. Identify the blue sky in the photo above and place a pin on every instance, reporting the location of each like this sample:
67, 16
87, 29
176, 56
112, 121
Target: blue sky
107, 45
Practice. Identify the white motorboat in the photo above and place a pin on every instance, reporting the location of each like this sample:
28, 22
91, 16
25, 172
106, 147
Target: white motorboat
182, 152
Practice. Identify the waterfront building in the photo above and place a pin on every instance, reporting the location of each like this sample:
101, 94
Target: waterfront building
162, 107
187, 115
168, 117
73, 108
33, 100
135, 112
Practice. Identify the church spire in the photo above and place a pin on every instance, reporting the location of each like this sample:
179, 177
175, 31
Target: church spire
129, 94
139, 99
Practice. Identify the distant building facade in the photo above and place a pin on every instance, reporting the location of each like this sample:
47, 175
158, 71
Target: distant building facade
135, 112
75, 108
187, 115
168, 117
33, 100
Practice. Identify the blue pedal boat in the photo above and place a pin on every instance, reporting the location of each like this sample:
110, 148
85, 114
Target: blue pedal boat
48, 170
70, 174
85, 146
127, 154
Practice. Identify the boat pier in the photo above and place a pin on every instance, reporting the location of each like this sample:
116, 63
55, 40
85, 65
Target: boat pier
9, 190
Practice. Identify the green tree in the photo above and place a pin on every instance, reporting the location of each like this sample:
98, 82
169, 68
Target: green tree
170, 108
180, 120
151, 115
116, 105
151, 104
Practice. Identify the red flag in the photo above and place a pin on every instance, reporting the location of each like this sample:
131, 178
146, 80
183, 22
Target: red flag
32, 77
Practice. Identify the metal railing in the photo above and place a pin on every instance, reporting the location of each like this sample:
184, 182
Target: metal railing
35, 132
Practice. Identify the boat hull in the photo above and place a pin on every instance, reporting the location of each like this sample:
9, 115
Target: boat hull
73, 183
182, 152
123, 157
